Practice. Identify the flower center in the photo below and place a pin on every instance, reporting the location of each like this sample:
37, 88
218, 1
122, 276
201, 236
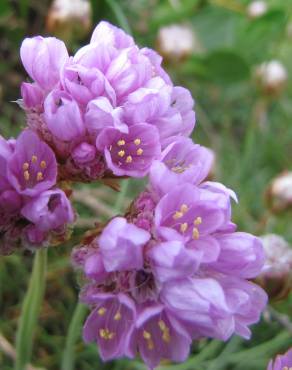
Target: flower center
127, 151
33, 170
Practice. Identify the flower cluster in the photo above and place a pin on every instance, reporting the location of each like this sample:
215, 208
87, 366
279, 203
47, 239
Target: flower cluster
107, 111
173, 269
33, 211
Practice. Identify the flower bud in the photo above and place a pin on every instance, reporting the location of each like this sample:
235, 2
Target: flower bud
276, 275
69, 19
32, 95
62, 116
257, 9
279, 193
84, 153
271, 77
176, 42
43, 58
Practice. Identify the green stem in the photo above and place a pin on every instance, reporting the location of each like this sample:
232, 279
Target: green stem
119, 14
120, 198
30, 310
73, 334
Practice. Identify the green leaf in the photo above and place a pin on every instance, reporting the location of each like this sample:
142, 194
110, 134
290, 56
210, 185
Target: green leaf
30, 310
227, 67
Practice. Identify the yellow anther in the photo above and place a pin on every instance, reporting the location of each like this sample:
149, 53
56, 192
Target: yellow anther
34, 158
196, 233
139, 151
161, 325
121, 142
25, 166
121, 153
150, 344
165, 331
26, 175
106, 334
117, 316
129, 159
146, 335
137, 141
43, 164
198, 221
177, 215
101, 311
40, 176
184, 208
178, 169
183, 227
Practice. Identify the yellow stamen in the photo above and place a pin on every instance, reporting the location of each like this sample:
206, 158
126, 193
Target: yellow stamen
146, 335
196, 233
121, 142
198, 221
183, 227
34, 158
129, 159
184, 208
101, 311
43, 164
139, 151
40, 176
106, 334
137, 141
26, 175
121, 153
25, 166
177, 215
150, 344
117, 316
165, 331
161, 325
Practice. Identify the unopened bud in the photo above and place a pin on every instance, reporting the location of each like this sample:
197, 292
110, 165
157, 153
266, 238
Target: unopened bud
176, 42
271, 77
276, 275
69, 19
257, 9
279, 193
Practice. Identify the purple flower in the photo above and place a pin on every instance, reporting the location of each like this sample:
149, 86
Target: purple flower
182, 162
110, 324
32, 167
281, 362
119, 233
159, 335
43, 58
63, 116
49, 211
84, 153
130, 154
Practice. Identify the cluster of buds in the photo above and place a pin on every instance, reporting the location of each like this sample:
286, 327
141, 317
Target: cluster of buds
107, 111
33, 211
173, 269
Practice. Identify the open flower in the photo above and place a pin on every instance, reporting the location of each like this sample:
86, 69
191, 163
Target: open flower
32, 168
281, 362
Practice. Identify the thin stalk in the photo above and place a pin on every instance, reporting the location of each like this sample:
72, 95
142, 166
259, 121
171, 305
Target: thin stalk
119, 14
73, 334
30, 310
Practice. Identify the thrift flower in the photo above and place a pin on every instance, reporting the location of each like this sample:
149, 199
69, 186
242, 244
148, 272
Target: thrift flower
108, 93
281, 362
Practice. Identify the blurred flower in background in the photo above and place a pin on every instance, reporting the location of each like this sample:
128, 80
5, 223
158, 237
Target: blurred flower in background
271, 77
69, 20
282, 362
257, 8
279, 193
276, 276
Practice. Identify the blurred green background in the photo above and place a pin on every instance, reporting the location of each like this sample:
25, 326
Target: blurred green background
243, 116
